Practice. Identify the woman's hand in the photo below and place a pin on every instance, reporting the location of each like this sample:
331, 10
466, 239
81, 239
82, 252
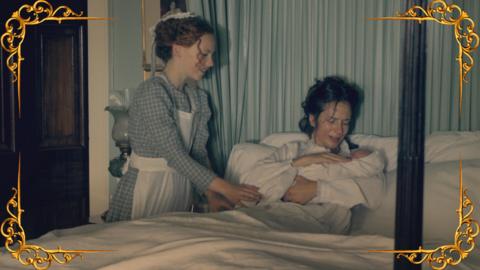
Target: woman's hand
238, 193
216, 202
319, 158
235, 193
302, 191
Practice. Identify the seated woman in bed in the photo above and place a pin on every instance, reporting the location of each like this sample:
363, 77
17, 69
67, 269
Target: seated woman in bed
322, 169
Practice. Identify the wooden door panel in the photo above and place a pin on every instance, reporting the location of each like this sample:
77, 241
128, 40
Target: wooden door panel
52, 133
54, 118
55, 195
61, 111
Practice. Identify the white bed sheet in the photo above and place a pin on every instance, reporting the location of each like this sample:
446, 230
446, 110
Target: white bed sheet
228, 240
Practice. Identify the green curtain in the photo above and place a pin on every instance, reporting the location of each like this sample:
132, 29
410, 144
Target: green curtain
271, 51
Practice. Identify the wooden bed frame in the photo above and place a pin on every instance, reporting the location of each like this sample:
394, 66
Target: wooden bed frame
411, 141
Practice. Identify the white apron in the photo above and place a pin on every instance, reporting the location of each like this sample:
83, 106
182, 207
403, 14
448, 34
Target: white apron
159, 188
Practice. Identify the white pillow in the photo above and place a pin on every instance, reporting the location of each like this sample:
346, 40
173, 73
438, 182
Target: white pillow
446, 146
279, 139
439, 146
243, 157
441, 199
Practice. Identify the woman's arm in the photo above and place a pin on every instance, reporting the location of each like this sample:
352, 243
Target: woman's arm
347, 192
302, 192
274, 174
320, 158
216, 202
199, 147
347, 184
222, 195
360, 153
235, 193
364, 164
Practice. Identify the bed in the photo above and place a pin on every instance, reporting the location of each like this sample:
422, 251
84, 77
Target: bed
269, 239
250, 238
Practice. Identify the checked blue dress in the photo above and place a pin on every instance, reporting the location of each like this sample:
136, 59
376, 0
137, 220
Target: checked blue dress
155, 133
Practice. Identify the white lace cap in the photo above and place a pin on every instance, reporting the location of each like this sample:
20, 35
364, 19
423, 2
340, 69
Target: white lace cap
172, 14
176, 15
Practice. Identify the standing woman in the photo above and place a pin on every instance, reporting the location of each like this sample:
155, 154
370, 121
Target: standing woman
168, 129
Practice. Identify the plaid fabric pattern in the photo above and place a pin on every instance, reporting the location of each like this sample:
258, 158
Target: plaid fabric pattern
199, 147
154, 132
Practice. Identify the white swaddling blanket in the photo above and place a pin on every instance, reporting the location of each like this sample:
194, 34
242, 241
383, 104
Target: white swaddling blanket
360, 181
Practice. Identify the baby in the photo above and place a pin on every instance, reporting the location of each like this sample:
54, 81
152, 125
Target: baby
363, 164
275, 174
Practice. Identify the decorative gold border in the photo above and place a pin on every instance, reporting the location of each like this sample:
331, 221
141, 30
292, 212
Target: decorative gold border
467, 40
11, 41
41, 258
468, 228
465, 234
11, 228
15, 238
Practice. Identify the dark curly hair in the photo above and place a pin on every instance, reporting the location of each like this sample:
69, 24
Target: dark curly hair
330, 89
184, 32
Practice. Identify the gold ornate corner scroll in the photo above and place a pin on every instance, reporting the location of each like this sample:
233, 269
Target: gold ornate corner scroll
15, 32
468, 228
11, 228
464, 239
464, 28
15, 238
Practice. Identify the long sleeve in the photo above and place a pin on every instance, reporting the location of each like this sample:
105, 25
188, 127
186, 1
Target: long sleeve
274, 174
363, 167
352, 191
199, 147
155, 133
360, 181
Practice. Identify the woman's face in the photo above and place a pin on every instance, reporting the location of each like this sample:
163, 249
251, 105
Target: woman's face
197, 59
332, 124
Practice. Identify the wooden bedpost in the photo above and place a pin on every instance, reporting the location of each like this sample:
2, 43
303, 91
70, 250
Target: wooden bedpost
409, 204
